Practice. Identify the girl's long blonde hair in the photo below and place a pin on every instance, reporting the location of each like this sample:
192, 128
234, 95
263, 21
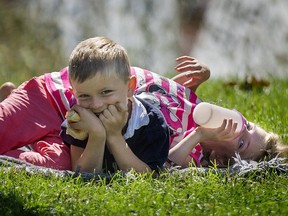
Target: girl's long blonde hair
274, 147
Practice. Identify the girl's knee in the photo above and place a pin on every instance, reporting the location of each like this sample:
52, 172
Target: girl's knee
6, 90
53, 161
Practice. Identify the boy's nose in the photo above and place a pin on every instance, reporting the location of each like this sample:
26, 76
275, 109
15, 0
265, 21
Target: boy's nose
96, 103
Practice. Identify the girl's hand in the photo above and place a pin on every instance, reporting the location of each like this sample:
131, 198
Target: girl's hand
226, 132
192, 72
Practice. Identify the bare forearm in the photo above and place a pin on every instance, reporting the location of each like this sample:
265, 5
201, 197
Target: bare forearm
179, 153
90, 159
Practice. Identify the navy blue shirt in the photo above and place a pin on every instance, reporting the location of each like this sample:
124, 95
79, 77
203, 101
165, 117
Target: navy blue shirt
150, 143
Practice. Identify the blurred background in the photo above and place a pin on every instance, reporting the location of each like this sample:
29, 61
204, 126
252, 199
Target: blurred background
234, 38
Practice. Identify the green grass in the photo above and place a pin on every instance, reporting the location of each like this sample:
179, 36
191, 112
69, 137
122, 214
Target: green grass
31, 48
28, 47
189, 194
178, 194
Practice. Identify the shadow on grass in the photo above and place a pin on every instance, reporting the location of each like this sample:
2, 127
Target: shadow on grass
11, 205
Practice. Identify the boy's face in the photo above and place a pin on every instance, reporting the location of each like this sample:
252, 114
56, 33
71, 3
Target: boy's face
100, 91
248, 144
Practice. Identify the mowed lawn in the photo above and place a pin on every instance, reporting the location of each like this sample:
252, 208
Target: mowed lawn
212, 193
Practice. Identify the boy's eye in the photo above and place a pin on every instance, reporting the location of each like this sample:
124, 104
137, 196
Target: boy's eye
83, 97
241, 143
106, 92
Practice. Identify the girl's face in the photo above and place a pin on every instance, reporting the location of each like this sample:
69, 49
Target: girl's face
100, 91
248, 144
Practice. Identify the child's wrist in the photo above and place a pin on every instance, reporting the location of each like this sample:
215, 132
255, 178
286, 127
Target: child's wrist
95, 138
112, 138
198, 134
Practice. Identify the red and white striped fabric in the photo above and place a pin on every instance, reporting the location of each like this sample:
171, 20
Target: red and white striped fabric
59, 87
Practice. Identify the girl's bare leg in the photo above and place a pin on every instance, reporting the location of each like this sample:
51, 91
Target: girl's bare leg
6, 90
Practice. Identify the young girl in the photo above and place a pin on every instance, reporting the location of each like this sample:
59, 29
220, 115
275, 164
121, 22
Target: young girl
190, 142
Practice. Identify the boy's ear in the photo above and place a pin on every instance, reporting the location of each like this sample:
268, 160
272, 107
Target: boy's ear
132, 85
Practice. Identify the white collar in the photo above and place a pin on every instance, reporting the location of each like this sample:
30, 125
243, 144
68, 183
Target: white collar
139, 118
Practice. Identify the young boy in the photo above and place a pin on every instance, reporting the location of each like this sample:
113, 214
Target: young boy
124, 131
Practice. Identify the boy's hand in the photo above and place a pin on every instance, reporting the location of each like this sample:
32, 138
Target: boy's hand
89, 159
88, 122
114, 118
226, 132
192, 72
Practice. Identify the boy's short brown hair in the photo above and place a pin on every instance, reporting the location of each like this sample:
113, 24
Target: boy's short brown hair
98, 55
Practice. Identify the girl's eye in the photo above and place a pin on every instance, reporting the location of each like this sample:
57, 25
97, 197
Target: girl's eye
241, 143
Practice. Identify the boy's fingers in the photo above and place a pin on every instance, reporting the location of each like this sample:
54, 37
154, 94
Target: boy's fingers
107, 112
77, 108
121, 107
112, 109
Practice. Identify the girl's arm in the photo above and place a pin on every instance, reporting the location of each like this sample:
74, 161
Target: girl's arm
191, 72
179, 154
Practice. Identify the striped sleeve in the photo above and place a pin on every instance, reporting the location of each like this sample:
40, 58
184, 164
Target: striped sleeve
58, 86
